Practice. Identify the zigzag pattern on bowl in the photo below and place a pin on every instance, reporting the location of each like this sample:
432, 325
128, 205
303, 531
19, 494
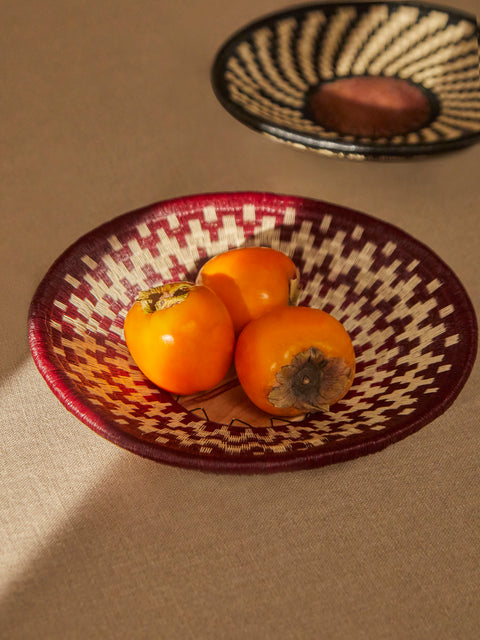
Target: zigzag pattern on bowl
272, 68
396, 304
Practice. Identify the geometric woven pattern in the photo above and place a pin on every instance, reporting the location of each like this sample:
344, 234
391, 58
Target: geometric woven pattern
411, 322
265, 73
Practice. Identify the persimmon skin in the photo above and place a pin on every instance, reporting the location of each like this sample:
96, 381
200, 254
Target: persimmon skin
272, 342
250, 281
184, 348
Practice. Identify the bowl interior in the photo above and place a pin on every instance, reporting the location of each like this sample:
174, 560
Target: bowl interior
380, 78
411, 322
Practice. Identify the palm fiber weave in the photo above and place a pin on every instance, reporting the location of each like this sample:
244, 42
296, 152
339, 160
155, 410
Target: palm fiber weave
410, 319
264, 74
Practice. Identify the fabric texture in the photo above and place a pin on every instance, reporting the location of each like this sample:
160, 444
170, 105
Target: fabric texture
107, 106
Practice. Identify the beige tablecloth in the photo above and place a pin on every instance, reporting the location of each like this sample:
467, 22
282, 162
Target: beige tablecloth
107, 106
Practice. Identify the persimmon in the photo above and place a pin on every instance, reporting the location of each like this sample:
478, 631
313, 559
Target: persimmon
251, 281
295, 360
181, 337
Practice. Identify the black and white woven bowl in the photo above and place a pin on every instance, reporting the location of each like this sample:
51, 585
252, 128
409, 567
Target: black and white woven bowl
411, 322
271, 74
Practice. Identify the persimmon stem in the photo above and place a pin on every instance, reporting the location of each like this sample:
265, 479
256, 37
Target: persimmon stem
164, 296
311, 381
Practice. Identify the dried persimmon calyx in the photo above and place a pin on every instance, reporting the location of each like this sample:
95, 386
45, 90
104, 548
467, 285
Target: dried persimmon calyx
311, 382
164, 296
294, 289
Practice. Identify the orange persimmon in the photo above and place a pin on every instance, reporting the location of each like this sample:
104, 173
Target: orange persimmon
181, 337
251, 281
295, 360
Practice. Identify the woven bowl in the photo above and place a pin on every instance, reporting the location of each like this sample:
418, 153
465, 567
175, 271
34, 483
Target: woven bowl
360, 80
411, 322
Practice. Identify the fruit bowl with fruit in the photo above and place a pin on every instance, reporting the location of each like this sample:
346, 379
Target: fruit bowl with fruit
252, 332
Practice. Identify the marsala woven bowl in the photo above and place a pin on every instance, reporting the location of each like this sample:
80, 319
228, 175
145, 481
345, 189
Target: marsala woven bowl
411, 322
370, 80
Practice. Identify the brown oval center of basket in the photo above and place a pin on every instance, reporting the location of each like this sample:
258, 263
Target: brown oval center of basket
370, 106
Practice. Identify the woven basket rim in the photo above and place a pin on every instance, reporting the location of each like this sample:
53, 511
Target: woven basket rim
46, 361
